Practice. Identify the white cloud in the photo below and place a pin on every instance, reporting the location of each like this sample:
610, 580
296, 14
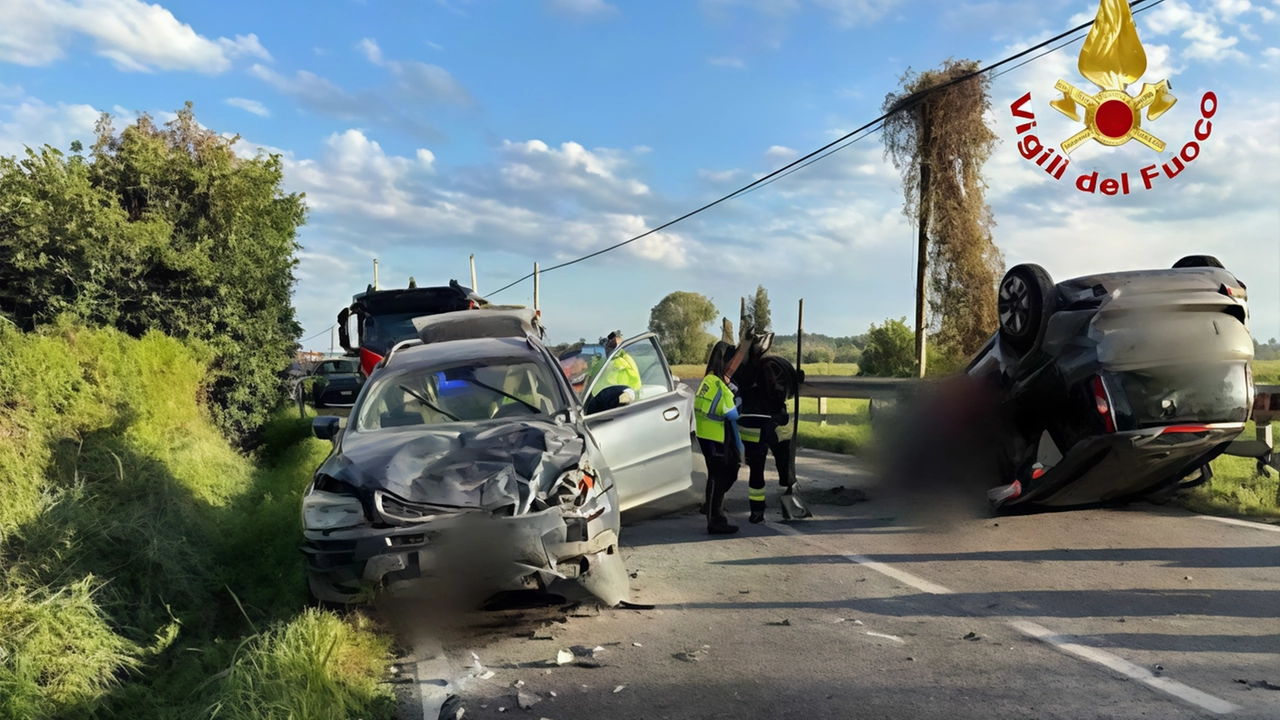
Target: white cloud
1208, 40
581, 8
33, 123
780, 153
133, 35
371, 50
719, 176
731, 62
247, 105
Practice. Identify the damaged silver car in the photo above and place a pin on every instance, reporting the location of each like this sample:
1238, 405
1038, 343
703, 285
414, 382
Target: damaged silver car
468, 454
1115, 386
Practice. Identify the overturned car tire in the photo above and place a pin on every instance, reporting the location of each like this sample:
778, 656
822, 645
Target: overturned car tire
1024, 305
1198, 261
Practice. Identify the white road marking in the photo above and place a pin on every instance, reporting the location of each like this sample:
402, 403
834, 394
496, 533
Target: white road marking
1101, 657
894, 638
433, 673
1124, 667
900, 575
1242, 523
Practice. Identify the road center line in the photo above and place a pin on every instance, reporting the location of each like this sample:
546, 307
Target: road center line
1242, 523
1124, 667
900, 575
1062, 642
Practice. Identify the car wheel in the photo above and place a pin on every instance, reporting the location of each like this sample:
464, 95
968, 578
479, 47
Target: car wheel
1024, 304
1198, 261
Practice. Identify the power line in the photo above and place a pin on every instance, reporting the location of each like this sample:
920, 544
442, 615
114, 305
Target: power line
904, 104
313, 337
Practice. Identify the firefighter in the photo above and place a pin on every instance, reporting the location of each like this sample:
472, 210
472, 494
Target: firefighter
764, 384
715, 423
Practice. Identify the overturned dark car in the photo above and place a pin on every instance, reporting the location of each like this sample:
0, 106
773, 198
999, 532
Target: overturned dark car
1117, 386
468, 456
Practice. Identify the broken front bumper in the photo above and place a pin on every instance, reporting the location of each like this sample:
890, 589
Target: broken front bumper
531, 551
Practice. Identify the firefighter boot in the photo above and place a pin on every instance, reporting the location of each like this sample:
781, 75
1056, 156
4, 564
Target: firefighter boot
717, 522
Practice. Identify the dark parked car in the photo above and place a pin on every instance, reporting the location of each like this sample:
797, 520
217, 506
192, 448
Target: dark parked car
335, 383
1116, 386
469, 458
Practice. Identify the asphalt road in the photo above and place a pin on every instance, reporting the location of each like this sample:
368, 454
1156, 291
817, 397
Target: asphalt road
867, 611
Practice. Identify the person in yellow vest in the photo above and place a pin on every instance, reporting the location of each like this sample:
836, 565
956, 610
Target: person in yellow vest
715, 414
620, 370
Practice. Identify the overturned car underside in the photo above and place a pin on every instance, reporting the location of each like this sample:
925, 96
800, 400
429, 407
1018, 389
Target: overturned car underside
503, 504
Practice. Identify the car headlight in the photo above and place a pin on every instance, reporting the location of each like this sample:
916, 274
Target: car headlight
327, 511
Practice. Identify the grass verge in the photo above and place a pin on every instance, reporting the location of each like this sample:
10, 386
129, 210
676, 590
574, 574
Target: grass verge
1236, 488
148, 569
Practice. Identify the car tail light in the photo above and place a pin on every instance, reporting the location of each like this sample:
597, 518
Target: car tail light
1103, 405
368, 361
1185, 429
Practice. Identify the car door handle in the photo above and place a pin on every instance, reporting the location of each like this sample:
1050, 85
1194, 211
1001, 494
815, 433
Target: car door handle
671, 414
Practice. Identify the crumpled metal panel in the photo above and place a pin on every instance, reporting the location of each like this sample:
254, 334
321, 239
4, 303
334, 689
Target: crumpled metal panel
485, 467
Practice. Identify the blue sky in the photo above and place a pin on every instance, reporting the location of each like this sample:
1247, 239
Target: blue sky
540, 130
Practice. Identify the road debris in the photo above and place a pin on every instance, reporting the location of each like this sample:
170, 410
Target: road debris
894, 638
1188, 577
517, 684
527, 700
564, 657
636, 645
553, 693
780, 623
972, 637
841, 496
624, 605
486, 675
690, 655
1159, 668
618, 689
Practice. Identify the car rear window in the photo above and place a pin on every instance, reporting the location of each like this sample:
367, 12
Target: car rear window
1171, 395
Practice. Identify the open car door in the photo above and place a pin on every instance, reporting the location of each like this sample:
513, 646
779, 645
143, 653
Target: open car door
646, 440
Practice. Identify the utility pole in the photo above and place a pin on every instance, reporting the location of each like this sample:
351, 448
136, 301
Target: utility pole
473, 274
333, 331
922, 257
536, 275
375, 273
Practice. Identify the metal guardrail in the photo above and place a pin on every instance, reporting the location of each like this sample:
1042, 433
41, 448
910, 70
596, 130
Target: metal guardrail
1266, 407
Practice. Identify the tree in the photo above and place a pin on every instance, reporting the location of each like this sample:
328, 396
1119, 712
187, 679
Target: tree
819, 354
890, 350
848, 354
161, 228
680, 320
758, 310
940, 142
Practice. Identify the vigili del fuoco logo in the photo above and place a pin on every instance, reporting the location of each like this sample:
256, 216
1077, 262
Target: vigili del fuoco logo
1112, 59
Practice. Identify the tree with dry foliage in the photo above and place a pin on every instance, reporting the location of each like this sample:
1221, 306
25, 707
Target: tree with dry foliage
939, 141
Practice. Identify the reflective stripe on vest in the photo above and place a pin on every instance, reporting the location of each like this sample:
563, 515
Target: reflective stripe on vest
754, 494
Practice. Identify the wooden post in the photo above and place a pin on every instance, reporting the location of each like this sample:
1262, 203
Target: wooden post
922, 250
535, 288
822, 411
742, 315
473, 274
795, 421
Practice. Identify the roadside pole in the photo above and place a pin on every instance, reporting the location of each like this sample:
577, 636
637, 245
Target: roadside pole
375, 273
473, 274
536, 275
922, 258
795, 421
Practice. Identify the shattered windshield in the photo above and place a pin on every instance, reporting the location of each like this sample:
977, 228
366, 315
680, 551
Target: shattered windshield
1169, 395
476, 390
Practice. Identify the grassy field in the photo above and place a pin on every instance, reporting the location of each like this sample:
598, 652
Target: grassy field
693, 373
1266, 372
147, 569
1236, 488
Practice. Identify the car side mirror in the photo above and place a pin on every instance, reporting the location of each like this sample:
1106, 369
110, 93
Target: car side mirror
325, 427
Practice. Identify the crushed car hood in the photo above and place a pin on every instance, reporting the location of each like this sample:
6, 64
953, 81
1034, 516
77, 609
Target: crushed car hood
489, 465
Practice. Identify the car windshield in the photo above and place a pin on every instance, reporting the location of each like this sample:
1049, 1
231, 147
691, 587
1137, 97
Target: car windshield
476, 390
1170, 395
381, 332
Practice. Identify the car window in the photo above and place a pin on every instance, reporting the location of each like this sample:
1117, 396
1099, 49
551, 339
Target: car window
639, 366
478, 390
1170, 395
